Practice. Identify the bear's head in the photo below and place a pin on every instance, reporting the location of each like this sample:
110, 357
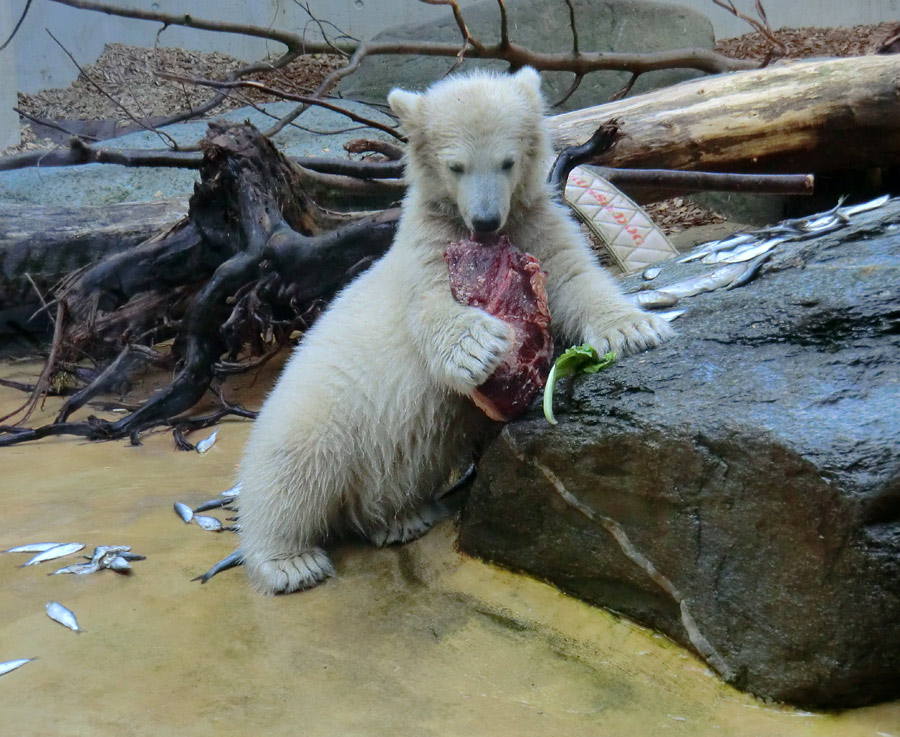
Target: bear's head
478, 146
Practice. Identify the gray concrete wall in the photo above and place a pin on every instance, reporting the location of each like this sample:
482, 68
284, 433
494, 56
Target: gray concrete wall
35, 62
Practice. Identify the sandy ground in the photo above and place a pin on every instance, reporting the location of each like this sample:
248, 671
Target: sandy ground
413, 640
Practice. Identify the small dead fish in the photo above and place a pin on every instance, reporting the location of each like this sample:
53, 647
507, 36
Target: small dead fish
704, 250
229, 561
232, 492
650, 299
210, 524
828, 222
11, 665
212, 504
671, 314
57, 551
748, 254
101, 551
117, 563
651, 273
132, 556
58, 613
716, 279
207, 443
79, 569
184, 511
32, 548
864, 206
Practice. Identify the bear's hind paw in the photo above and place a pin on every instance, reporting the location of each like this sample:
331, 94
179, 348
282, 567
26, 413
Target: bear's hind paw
409, 524
293, 572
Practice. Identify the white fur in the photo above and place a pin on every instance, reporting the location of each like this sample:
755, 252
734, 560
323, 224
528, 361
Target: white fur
371, 414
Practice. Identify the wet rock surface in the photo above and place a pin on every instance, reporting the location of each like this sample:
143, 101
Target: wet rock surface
603, 25
738, 488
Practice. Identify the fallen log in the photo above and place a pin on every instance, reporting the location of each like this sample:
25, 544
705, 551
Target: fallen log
814, 116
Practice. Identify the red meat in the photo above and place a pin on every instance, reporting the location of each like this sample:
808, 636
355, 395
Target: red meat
509, 284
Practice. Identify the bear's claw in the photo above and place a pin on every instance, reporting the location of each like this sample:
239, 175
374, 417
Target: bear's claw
292, 572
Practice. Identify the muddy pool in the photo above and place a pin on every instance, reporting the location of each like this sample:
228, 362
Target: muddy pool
414, 640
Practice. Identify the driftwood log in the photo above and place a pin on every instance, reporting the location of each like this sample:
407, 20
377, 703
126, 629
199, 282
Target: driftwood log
814, 116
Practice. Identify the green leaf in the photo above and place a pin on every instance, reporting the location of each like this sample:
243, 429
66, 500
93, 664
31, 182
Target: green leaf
579, 359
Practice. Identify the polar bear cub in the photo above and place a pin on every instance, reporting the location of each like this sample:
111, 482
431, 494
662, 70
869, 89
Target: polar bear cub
371, 415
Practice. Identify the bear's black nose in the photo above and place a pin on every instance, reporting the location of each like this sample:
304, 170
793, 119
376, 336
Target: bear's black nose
486, 224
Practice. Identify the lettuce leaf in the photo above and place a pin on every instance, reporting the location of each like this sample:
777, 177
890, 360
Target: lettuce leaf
579, 359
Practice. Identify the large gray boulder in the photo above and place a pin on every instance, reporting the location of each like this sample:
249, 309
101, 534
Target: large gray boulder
738, 488
603, 25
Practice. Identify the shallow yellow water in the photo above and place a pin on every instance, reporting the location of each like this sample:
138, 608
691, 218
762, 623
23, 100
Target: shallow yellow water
415, 640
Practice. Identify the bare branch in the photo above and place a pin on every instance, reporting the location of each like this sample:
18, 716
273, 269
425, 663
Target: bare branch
51, 124
305, 99
18, 25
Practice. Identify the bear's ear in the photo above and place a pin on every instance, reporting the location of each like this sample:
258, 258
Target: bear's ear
406, 106
530, 81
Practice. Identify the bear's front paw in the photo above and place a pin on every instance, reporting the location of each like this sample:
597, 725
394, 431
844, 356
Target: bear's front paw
634, 332
282, 575
480, 350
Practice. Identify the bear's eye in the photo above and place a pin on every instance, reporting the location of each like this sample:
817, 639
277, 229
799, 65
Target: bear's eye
457, 168
507, 164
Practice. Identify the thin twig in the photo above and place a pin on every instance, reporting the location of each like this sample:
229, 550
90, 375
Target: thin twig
574, 27
760, 25
504, 26
625, 90
576, 83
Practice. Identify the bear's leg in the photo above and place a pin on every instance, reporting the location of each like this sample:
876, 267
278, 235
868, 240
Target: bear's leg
409, 524
292, 572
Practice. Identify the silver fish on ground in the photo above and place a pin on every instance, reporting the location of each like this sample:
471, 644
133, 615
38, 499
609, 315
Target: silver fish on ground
229, 561
207, 443
233, 491
58, 613
650, 273
211, 524
221, 501
11, 665
33, 548
117, 563
184, 511
104, 556
55, 552
103, 550
78, 569
132, 556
